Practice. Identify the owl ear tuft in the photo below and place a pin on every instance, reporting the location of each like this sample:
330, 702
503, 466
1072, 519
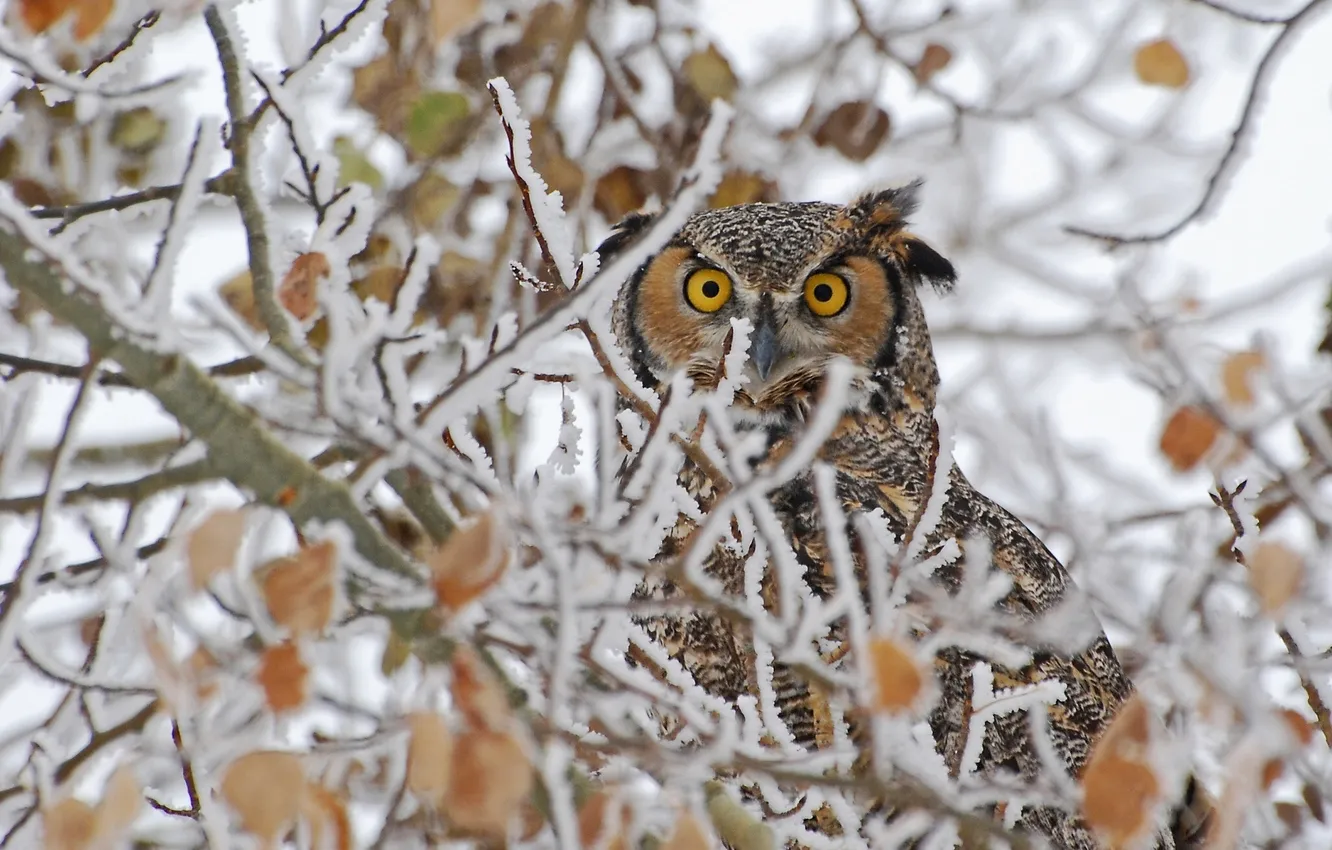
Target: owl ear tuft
925, 264
882, 217
625, 231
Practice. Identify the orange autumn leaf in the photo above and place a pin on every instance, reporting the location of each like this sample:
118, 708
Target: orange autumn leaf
267, 790
429, 757
326, 813
477, 691
211, 548
1159, 63
469, 562
283, 676
1188, 435
298, 291
1237, 375
1120, 789
490, 781
39, 15
603, 821
90, 15
300, 589
68, 824
896, 676
1275, 574
689, 834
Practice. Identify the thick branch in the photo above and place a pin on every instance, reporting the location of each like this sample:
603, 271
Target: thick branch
240, 449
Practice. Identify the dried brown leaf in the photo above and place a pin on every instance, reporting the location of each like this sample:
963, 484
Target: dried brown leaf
855, 130
238, 293
1275, 573
1119, 786
121, 802
212, 546
619, 192
742, 187
477, 691
448, 17
429, 757
297, 293
283, 676
90, 17
300, 589
326, 811
69, 824
1237, 374
267, 790
1188, 435
469, 562
933, 60
897, 676
491, 779
39, 15
603, 821
1159, 63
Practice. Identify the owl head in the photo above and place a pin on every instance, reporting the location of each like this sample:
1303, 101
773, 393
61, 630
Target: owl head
815, 280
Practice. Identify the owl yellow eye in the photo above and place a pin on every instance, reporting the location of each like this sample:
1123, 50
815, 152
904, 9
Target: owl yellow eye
707, 290
826, 294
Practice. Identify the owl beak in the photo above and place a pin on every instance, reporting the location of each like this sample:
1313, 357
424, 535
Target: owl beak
764, 351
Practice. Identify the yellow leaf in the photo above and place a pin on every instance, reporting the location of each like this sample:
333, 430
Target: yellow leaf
709, 74
897, 677
1275, 573
267, 790
212, 546
1159, 63
1188, 435
429, 757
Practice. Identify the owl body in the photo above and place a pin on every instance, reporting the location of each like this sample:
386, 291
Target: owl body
819, 282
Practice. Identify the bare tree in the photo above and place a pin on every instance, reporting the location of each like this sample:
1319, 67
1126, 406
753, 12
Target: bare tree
324, 487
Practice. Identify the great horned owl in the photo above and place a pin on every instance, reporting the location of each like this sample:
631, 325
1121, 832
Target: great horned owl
819, 281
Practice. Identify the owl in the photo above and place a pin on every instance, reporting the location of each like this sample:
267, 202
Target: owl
819, 281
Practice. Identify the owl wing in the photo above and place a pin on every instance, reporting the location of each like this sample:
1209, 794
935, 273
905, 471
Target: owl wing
880, 472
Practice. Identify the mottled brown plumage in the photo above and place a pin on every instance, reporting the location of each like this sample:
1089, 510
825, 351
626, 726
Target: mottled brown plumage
883, 450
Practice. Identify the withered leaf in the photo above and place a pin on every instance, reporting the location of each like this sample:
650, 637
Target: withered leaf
709, 74
855, 130
299, 590
897, 677
266, 789
1188, 435
1159, 63
211, 548
283, 676
491, 779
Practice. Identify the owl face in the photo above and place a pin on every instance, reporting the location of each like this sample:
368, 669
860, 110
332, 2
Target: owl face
815, 281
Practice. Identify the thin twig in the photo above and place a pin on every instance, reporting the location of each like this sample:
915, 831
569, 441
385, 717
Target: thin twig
247, 199
1228, 159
